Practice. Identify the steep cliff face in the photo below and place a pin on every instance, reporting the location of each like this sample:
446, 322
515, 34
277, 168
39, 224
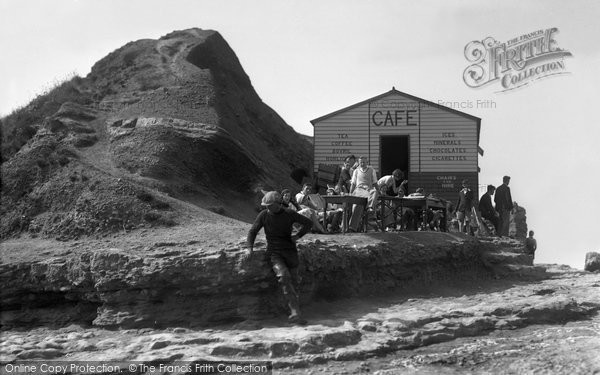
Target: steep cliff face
175, 118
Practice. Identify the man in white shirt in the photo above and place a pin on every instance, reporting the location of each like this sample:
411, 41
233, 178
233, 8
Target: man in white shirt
363, 184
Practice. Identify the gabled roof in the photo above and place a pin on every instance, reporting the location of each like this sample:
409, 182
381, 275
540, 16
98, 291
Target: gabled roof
415, 98
394, 91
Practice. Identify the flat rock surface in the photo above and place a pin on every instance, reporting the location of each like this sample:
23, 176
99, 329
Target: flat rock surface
495, 326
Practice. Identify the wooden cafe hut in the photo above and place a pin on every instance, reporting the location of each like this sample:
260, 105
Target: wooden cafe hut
435, 146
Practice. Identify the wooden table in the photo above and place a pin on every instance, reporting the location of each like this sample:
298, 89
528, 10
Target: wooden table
422, 203
347, 201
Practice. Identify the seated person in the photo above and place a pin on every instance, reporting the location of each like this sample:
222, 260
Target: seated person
487, 209
435, 219
409, 216
334, 213
308, 208
288, 202
343, 184
303, 197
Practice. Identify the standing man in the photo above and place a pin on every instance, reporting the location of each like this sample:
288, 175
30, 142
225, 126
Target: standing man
504, 204
487, 209
363, 184
281, 247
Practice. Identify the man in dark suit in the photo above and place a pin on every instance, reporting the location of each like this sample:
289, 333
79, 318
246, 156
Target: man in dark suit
504, 204
487, 209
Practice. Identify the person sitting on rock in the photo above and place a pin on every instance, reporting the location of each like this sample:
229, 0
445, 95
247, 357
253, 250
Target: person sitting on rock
487, 209
281, 247
530, 245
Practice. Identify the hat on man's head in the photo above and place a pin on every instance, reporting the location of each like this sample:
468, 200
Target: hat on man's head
270, 198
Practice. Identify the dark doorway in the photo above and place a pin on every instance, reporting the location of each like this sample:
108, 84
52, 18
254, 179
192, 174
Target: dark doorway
393, 153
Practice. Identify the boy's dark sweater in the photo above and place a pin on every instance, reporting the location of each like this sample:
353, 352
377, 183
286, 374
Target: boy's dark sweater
278, 229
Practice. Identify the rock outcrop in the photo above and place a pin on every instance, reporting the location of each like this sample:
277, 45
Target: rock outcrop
518, 222
182, 284
341, 332
592, 262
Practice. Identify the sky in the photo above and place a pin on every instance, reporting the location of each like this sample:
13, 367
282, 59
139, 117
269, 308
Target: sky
309, 58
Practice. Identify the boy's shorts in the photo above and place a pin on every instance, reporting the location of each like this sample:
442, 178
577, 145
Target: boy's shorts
289, 258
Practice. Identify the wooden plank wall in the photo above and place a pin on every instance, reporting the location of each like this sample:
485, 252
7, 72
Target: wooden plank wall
442, 143
445, 185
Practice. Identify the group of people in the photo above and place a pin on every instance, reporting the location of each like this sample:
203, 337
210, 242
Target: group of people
358, 178
310, 205
283, 214
499, 215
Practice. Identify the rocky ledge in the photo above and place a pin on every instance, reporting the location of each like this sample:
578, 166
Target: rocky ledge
344, 330
182, 302
183, 284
